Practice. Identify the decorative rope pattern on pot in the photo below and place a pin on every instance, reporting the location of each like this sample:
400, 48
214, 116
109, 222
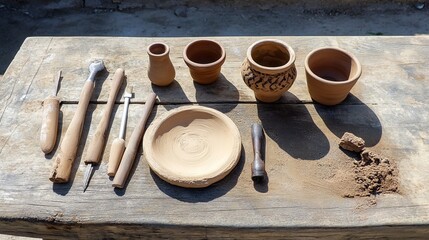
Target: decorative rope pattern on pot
268, 82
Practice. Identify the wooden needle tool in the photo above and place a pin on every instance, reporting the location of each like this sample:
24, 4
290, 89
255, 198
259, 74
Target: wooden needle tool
118, 145
133, 145
96, 146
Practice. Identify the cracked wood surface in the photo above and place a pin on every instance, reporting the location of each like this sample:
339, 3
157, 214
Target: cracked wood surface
388, 108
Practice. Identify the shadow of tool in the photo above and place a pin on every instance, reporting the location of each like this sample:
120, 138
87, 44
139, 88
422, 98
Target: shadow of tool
292, 128
221, 95
64, 188
194, 195
353, 116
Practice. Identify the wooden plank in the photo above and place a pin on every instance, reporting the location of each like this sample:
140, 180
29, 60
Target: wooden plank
301, 198
298, 193
394, 68
115, 230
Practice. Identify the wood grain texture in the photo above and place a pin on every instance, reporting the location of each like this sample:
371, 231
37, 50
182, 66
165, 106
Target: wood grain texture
387, 107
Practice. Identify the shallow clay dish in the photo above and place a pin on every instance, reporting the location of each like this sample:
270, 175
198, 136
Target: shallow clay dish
192, 146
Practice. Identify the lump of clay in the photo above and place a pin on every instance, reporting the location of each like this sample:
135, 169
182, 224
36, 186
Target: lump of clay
370, 157
351, 142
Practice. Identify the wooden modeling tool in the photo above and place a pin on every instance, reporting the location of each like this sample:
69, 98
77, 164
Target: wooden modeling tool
96, 147
63, 162
133, 145
118, 145
51, 112
258, 164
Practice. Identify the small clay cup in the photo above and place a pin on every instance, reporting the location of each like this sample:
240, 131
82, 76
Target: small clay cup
204, 59
269, 69
160, 69
331, 73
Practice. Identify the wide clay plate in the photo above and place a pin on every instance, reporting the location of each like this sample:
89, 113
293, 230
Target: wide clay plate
192, 146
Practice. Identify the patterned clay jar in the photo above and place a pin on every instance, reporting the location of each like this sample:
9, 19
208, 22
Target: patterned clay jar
331, 73
269, 69
160, 70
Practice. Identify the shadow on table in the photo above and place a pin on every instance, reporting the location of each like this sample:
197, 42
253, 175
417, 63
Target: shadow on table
221, 91
193, 195
171, 96
353, 116
64, 188
290, 125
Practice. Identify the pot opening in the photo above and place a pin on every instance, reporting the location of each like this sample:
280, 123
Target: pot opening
157, 49
204, 52
332, 65
270, 54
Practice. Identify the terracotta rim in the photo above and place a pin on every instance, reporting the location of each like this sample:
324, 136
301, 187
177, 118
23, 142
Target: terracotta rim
355, 60
192, 182
275, 41
158, 44
203, 65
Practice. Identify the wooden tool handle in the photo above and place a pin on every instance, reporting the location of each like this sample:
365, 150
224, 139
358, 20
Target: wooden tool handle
258, 164
49, 129
116, 152
63, 162
133, 145
96, 147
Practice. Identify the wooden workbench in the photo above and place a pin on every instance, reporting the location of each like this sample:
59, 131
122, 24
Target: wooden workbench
388, 107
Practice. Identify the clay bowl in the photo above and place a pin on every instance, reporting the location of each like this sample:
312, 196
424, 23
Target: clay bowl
331, 73
192, 146
204, 59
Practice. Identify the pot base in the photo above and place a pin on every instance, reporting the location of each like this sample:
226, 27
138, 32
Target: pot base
268, 97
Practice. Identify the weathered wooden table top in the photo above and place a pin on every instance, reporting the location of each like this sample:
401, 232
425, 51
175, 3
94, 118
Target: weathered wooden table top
388, 107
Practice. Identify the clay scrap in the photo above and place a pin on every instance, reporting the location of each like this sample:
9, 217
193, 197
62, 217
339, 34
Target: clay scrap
373, 173
351, 142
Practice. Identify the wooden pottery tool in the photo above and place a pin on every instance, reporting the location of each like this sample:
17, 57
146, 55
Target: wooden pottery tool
258, 164
96, 147
133, 145
118, 145
63, 162
51, 112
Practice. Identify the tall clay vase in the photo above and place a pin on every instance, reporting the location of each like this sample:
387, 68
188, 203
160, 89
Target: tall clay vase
331, 73
269, 69
204, 59
160, 70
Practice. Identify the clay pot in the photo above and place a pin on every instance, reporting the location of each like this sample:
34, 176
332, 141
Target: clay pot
269, 69
192, 146
331, 73
160, 70
204, 59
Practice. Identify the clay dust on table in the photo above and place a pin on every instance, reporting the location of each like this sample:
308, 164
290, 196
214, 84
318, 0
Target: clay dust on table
373, 174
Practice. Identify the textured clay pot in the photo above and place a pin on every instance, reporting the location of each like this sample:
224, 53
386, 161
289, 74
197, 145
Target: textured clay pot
269, 69
192, 146
160, 70
331, 73
204, 59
